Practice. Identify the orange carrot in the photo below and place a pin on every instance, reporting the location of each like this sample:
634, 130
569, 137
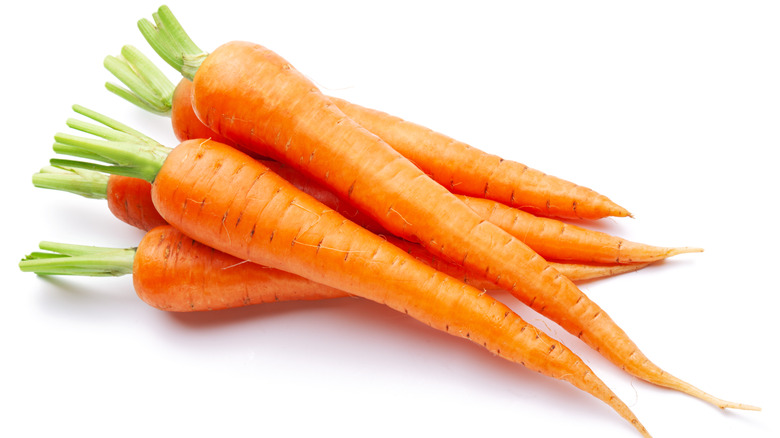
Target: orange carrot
173, 272
128, 198
225, 199
255, 98
557, 240
550, 238
184, 127
466, 170
572, 271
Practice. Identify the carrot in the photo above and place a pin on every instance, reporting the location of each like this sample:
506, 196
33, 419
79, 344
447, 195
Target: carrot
479, 174
225, 199
255, 98
557, 240
550, 238
461, 168
572, 271
148, 88
130, 200
174, 273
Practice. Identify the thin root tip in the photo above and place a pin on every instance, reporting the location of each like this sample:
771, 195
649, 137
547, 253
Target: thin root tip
683, 250
742, 406
621, 212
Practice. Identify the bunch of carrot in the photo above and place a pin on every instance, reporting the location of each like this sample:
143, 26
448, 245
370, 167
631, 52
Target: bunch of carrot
279, 192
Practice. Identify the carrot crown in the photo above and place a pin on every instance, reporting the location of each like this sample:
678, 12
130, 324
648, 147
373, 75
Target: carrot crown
83, 182
147, 86
123, 150
168, 38
68, 259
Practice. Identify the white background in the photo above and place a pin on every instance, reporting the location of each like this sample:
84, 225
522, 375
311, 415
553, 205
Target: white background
670, 108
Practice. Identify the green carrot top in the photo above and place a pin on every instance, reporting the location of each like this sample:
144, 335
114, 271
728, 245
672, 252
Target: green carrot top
168, 38
83, 182
68, 259
147, 86
124, 150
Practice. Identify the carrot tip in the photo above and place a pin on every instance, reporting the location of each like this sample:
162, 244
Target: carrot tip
683, 250
742, 406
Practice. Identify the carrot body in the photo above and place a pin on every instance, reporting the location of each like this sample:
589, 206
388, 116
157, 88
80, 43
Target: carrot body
173, 272
182, 121
257, 99
281, 114
324, 195
557, 240
130, 200
550, 238
475, 173
232, 203
480, 174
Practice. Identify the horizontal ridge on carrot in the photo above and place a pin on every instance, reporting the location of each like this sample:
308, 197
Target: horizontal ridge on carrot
255, 98
550, 238
229, 201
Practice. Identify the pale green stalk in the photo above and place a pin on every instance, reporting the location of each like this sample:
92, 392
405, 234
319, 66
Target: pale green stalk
68, 259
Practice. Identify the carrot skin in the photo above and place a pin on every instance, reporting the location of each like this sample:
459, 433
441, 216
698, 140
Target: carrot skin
324, 195
561, 241
232, 203
508, 182
129, 199
184, 127
175, 273
186, 124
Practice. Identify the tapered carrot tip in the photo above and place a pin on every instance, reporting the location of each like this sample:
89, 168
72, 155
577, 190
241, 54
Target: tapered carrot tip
723, 404
685, 387
622, 212
742, 406
682, 250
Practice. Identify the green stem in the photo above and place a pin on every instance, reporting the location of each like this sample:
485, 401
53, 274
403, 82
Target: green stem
125, 151
147, 85
87, 183
168, 38
67, 259
115, 125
